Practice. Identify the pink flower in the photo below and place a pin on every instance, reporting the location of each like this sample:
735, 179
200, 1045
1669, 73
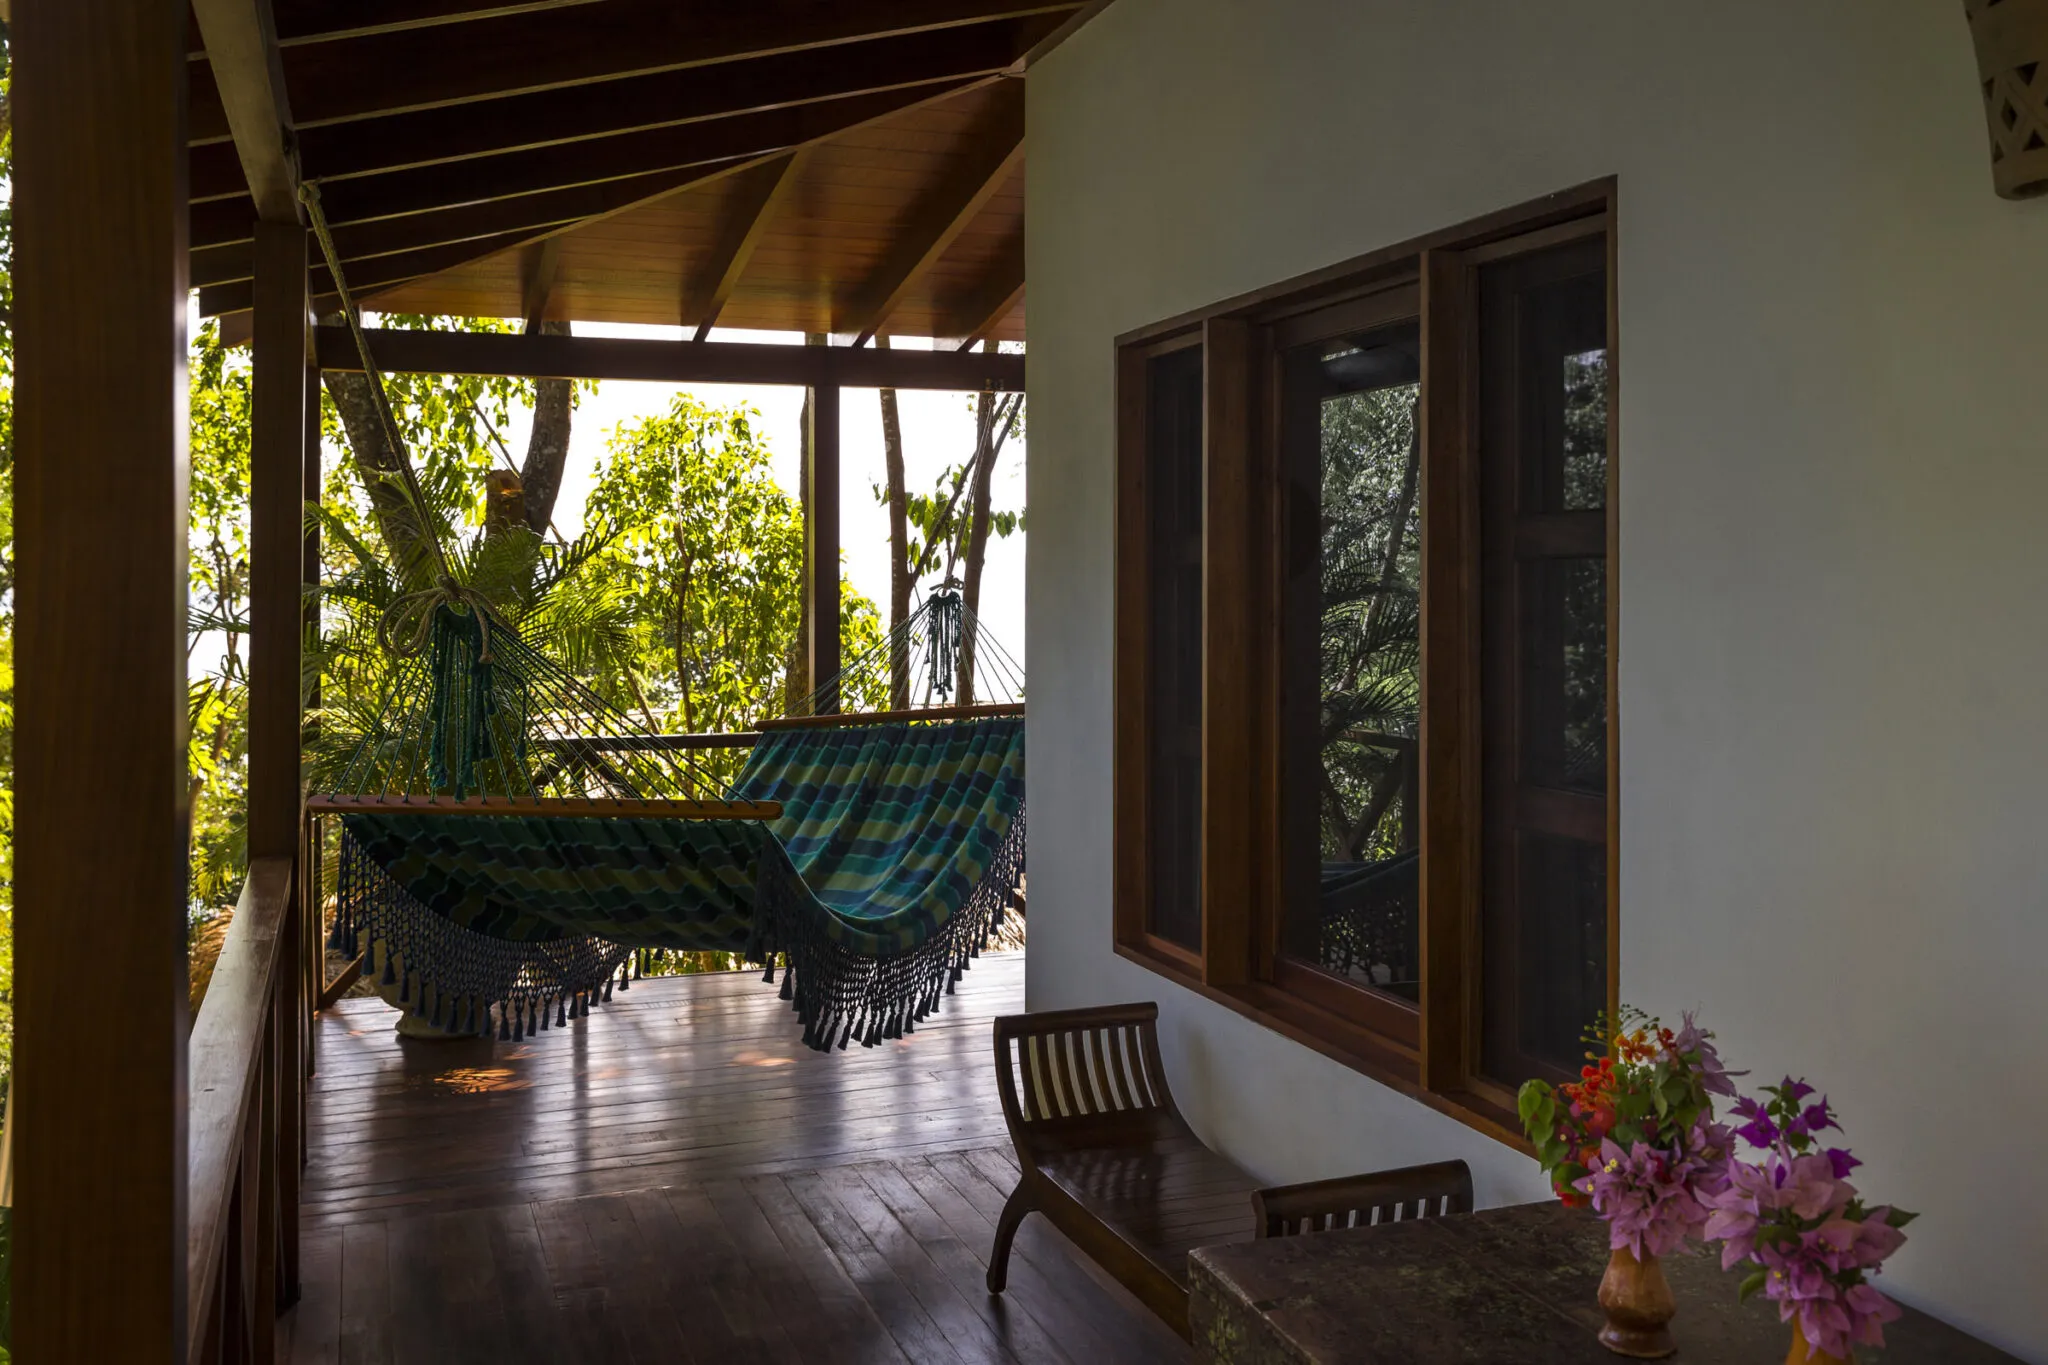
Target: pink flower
1650, 1197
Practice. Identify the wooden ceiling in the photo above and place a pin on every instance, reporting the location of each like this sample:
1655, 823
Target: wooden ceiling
844, 166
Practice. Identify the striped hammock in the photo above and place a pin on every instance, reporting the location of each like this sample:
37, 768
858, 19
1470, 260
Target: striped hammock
897, 850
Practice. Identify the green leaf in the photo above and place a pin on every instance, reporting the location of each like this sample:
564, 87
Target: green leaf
1898, 1218
1751, 1284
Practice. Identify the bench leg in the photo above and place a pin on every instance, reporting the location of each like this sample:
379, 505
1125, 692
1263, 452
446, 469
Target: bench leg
1013, 1213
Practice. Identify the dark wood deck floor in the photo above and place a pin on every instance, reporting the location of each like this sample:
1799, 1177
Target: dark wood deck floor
676, 1179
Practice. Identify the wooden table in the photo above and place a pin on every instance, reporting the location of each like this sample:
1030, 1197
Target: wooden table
1514, 1286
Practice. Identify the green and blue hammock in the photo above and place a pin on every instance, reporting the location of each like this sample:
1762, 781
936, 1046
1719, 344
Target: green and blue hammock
894, 856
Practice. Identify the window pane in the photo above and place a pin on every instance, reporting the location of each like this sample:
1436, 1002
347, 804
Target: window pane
1564, 351
1583, 450
1173, 465
1355, 447
1543, 470
1564, 674
1563, 946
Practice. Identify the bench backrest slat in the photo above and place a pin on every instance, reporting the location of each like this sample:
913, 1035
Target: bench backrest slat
1080, 1064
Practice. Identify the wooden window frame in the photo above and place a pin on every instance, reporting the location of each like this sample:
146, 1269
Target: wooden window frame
1429, 1051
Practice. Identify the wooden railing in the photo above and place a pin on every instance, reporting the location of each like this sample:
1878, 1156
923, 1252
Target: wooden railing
250, 1054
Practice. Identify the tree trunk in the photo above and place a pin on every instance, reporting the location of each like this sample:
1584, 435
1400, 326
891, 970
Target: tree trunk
383, 472
547, 448
991, 425
899, 549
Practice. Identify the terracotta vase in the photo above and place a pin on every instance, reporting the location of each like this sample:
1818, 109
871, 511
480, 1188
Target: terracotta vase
1639, 1307
1802, 1353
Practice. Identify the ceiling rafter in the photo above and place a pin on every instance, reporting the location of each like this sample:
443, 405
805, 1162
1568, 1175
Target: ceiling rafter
705, 145
250, 84
381, 272
625, 195
983, 309
994, 151
519, 122
390, 73
537, 282
747, 221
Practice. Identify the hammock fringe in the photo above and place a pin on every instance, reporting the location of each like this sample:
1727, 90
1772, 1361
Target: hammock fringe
445, 972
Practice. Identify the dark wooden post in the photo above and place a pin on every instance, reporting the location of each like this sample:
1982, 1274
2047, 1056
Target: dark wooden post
821, 531
312, 960
277, 552
101, 833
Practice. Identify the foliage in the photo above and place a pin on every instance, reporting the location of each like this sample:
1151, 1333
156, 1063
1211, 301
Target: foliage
218, 619
1794, 1218
1369, 634
939, 522
1635, 1135
708, 554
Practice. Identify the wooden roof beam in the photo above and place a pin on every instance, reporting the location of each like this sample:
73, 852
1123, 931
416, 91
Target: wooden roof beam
692, 145
994, 152
747, 222
978, 314
393, 72
545, 356
633, 104
241, 45
543, 263
379, 272
326, 21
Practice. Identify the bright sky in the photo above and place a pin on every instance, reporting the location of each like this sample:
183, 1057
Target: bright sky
938, 430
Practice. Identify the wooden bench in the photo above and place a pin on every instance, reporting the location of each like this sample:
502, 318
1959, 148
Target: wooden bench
1106, 1156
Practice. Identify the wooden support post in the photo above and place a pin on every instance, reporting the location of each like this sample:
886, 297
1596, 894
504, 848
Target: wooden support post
100, 475
277, 556
821, 531
312, 943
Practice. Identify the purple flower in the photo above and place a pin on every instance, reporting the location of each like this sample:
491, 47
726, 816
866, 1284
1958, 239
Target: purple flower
1759, 1131
1841, 1161
1790, 1215
1650, 1197
1695, 1042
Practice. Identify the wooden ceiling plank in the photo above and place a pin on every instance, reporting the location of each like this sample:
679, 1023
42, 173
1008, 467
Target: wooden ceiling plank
748, 222
818, 287
746, 137
542, 356
545, 262
982, 311
994, 152
326, 21
214, 226
241, 43
377, 273
664, 99
390, 73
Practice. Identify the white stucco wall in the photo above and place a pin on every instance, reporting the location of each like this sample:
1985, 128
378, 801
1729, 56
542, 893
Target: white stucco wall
1834, 535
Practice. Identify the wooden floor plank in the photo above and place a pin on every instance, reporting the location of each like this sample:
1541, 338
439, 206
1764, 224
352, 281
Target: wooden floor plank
675, 1179
314, 1322
858, 1333
1020, 1335
365, 1337
898, 1310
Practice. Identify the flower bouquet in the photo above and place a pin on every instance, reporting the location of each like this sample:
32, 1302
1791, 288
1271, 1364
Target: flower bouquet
1635, 1138
1793, 1216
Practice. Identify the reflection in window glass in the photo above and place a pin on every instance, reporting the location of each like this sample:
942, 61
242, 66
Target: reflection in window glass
1563, 946
1585, 431
1358, 788
1564, 674
1173, 456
